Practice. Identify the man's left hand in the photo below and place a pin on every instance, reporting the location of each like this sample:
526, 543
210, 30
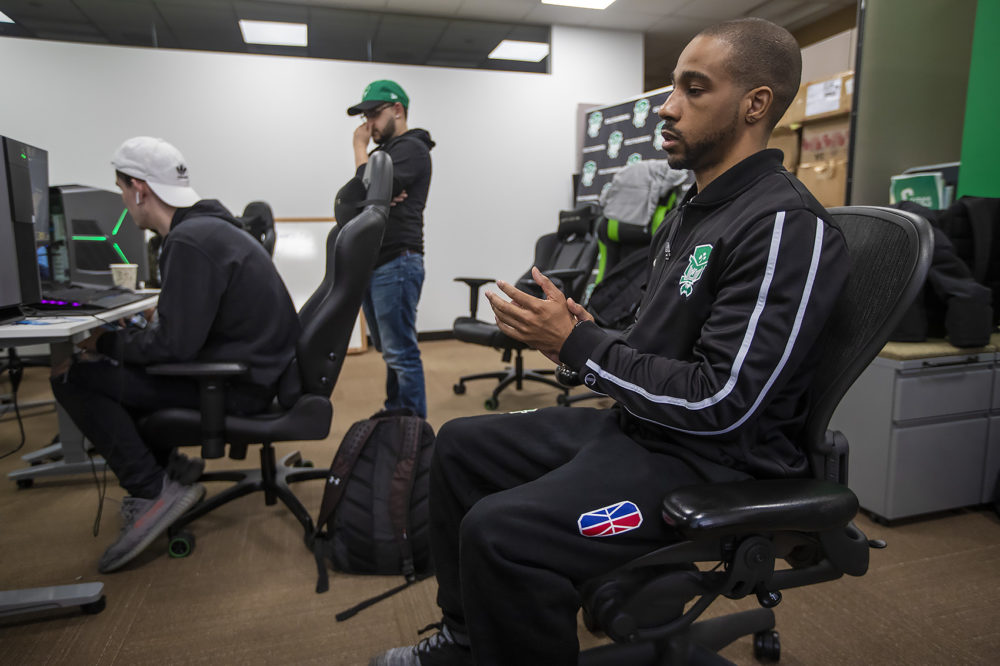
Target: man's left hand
543, 324
89, 344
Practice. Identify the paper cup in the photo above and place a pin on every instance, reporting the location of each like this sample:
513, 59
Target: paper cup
125, 276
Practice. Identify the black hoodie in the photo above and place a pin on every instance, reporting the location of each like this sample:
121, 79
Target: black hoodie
221, 300
411, 171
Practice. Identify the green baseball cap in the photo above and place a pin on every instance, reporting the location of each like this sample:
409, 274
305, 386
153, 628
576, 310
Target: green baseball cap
378, 93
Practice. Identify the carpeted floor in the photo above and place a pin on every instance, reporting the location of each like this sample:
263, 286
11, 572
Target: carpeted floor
246, 595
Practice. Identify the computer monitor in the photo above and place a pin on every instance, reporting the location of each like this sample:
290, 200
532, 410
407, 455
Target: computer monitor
22, 164
94, 229
10, 283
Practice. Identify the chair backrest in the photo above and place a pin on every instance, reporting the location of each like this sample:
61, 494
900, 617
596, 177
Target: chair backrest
258, 220
328, 317
890, 251
573, 246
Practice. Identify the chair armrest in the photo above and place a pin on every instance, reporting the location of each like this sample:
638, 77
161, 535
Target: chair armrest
563, 273
198, 369
211, 377
474, 284
739, 507
559, 277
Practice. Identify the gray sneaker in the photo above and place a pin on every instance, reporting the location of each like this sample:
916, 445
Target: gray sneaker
440, 649
145, 519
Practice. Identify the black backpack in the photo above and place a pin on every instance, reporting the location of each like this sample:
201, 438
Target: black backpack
374, 518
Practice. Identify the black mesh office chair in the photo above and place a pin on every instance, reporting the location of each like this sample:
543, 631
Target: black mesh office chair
747, 526
302, 409
258, 221
567, 258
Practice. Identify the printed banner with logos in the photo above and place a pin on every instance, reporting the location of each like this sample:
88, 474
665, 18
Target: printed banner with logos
618, 135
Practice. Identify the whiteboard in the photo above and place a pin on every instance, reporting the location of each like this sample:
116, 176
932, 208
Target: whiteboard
300, 257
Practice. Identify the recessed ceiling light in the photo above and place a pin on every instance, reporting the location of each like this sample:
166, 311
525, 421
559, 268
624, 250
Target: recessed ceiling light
585, 4
5, 19
510, 49
274, 33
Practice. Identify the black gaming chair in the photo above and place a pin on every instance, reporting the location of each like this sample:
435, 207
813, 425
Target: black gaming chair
567, 258
746, 527
302, 409
258, 221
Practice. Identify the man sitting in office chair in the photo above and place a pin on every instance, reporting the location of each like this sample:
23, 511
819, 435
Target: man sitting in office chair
221, 300
708, 381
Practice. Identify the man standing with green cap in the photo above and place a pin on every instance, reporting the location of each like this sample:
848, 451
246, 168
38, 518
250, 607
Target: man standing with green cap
390, 304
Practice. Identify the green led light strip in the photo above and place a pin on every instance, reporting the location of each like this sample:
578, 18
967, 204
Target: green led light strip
120, 253
90, 238
121, 218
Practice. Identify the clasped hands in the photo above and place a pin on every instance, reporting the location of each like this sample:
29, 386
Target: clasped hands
543, 324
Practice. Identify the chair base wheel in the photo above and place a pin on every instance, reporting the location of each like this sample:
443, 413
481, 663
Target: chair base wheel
181, 544
459, 389
766, 645
491, 404
25, 483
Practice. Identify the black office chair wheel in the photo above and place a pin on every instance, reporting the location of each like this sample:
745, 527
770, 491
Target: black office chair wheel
491, 404
766, 645
181, 544
25, 483
562, 399
94, 607
459, 389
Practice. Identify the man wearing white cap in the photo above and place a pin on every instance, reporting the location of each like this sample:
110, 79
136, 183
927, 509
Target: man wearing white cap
221, 300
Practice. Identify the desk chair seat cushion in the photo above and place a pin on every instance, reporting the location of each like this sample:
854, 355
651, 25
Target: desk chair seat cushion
308, 419
469, 329
741, 507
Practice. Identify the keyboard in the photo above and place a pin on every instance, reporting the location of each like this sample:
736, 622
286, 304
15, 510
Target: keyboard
85, 299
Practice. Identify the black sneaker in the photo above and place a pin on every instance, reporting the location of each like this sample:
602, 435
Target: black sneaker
184, 470
440, 649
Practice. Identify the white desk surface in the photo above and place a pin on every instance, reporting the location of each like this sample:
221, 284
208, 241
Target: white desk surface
44, 330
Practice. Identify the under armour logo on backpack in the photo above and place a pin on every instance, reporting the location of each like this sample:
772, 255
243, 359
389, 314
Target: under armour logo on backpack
335, 480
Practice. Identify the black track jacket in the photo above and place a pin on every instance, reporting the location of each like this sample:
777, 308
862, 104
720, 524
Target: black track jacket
721, 352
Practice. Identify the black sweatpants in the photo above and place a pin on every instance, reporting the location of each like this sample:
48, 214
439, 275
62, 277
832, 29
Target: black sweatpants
105, 399
508, 494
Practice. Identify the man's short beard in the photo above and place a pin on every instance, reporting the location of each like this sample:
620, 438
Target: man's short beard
386, 134
705, 153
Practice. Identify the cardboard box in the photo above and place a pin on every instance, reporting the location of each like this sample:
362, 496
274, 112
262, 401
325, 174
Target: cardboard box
827, 180
787, 141
816, 100
824, 140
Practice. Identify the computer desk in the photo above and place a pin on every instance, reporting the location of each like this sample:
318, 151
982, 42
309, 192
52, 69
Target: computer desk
68, 456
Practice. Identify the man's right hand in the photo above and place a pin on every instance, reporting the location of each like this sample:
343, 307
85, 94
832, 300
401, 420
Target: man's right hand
362, 135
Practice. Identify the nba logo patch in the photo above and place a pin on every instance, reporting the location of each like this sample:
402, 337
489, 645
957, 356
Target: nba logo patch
610, 520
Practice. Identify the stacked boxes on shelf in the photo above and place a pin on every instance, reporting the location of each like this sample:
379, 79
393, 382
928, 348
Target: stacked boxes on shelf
814, 134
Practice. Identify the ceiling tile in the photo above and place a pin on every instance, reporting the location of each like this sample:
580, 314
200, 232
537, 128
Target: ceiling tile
717, 10
502, 10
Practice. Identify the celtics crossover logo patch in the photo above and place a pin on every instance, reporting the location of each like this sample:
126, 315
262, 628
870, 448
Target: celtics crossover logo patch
696, 266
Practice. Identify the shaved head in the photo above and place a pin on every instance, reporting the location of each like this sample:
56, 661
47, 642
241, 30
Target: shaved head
762, 54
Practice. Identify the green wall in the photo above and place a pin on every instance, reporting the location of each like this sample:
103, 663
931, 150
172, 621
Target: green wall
979, 174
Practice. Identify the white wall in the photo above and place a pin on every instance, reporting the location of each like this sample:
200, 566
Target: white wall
275, 128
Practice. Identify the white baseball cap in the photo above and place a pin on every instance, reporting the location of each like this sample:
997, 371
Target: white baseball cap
161, 166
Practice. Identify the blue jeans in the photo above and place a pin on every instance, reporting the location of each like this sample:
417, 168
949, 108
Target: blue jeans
390, 308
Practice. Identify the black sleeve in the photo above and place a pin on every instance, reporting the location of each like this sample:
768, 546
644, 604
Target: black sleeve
777, 289
410, 162
189, 300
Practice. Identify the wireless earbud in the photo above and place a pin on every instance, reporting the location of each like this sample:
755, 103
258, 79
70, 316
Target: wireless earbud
137, 197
